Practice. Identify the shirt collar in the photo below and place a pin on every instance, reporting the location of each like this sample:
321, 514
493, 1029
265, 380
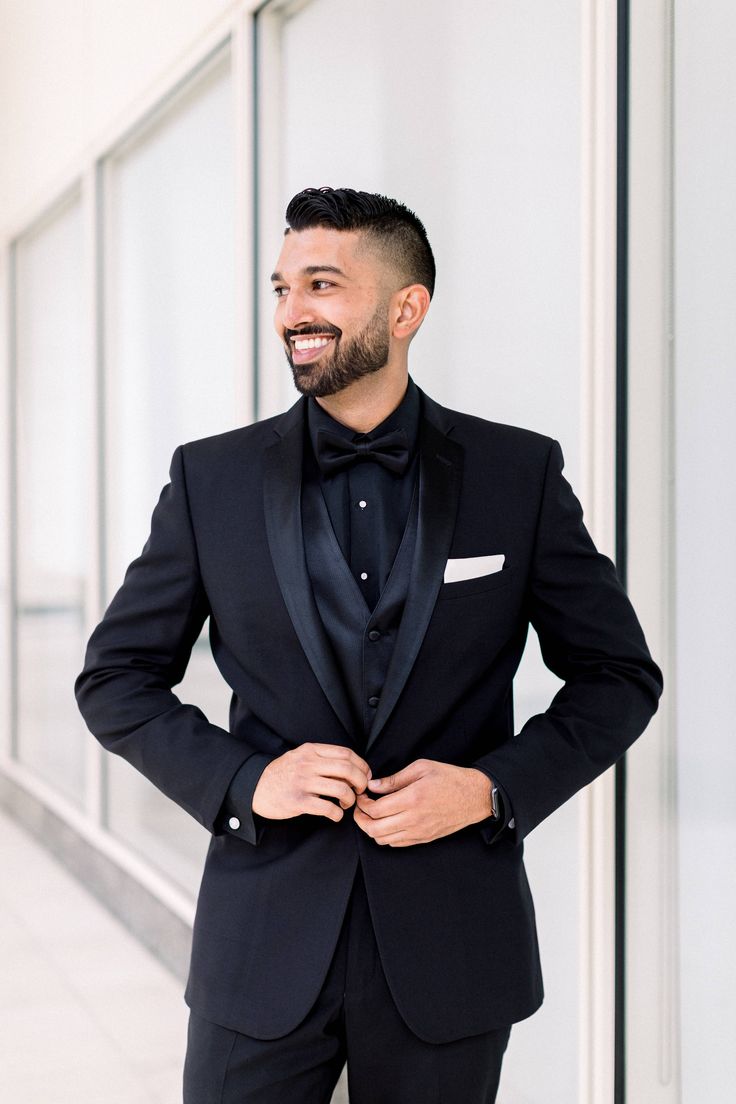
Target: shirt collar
405, 416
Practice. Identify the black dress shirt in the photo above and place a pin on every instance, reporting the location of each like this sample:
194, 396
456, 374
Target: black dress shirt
368, 504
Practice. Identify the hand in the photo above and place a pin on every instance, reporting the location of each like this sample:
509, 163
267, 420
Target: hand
423, 802
299, 781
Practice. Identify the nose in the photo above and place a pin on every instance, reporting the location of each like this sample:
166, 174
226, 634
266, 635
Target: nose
295, 310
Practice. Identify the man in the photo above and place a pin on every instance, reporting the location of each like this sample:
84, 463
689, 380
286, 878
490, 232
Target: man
370, 563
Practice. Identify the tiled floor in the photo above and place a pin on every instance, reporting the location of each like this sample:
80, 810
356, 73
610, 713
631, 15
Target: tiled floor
86, 1014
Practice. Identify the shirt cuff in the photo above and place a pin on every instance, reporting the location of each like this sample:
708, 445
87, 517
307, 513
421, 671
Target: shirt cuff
237, 816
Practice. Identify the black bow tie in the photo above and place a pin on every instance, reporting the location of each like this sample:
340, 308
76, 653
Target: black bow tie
335, 453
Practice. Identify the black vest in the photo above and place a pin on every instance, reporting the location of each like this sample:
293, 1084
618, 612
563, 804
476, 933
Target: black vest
362, 640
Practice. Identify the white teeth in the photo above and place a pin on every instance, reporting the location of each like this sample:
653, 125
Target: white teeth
311, 343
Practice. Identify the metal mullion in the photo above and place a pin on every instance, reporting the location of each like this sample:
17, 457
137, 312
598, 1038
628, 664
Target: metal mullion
267, 128
93, 791
622, 291
242, 76
597, 430
12, 491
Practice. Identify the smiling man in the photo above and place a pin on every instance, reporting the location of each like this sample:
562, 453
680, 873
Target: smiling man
370, 563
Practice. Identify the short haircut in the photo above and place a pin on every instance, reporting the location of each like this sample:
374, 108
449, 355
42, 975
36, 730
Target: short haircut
395, 229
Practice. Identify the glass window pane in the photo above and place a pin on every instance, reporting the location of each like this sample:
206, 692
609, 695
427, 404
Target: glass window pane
55, 462
471, 115
171, 377
169, 323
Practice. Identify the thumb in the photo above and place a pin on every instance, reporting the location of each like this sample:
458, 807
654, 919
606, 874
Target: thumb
395, 781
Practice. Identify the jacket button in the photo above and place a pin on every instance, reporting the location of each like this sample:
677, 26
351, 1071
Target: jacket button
233, 823
373, 702
374, 634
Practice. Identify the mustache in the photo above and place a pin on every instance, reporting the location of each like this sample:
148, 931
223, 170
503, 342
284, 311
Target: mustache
313, 328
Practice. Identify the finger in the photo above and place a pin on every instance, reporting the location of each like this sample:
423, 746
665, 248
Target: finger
396, 839
403, 840
397, 781
332, 787
343, 762
337, 751
364, 822
341, 769
316, 806
379, 829
378, 807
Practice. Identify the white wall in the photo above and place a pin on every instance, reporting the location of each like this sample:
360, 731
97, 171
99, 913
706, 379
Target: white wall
651, 977
705, 481
69, 70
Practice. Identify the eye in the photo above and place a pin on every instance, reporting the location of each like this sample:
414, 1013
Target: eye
279, 291
321, 285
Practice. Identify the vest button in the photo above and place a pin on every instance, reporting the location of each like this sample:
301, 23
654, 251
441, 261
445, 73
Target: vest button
373, 702
374, 634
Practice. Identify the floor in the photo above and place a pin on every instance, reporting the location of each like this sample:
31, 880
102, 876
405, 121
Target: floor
86, 1013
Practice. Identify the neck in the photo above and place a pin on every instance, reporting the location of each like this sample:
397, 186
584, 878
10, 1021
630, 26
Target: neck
367, 402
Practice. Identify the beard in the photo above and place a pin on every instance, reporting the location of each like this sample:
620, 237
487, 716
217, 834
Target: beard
347, 361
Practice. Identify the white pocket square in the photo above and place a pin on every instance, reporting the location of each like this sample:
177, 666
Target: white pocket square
472, 567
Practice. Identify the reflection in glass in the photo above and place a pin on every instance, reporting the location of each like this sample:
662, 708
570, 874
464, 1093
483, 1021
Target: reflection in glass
55, 462
169, 354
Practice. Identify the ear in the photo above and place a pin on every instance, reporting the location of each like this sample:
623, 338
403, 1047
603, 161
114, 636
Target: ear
410, 306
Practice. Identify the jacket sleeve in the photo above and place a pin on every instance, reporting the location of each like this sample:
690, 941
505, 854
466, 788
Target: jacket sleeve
590, 637
140, 650
237, 816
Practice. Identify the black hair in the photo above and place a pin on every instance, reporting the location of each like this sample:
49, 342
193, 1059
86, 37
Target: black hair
394, 227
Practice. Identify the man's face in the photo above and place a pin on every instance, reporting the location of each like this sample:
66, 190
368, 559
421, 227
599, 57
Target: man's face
331, 310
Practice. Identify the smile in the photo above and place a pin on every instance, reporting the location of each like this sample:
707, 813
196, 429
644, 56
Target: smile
305, 349
303, 343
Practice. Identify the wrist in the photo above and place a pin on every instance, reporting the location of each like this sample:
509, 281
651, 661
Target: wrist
482, 801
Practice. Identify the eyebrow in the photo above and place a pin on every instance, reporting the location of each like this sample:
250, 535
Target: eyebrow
310, 270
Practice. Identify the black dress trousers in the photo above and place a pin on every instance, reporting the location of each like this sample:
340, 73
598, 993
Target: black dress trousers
353, 1018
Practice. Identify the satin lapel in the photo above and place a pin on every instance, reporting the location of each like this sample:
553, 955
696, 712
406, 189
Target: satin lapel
440, 472
282, 508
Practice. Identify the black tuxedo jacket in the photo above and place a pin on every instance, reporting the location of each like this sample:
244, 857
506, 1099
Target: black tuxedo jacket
454, 918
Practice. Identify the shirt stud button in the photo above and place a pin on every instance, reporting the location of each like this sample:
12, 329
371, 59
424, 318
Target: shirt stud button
373, 702
234, 823
374, 634
364, 575
362, 504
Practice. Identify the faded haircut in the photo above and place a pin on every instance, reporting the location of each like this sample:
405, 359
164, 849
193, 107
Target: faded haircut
394, 228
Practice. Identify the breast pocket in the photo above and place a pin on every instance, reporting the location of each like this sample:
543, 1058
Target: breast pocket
482, 583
